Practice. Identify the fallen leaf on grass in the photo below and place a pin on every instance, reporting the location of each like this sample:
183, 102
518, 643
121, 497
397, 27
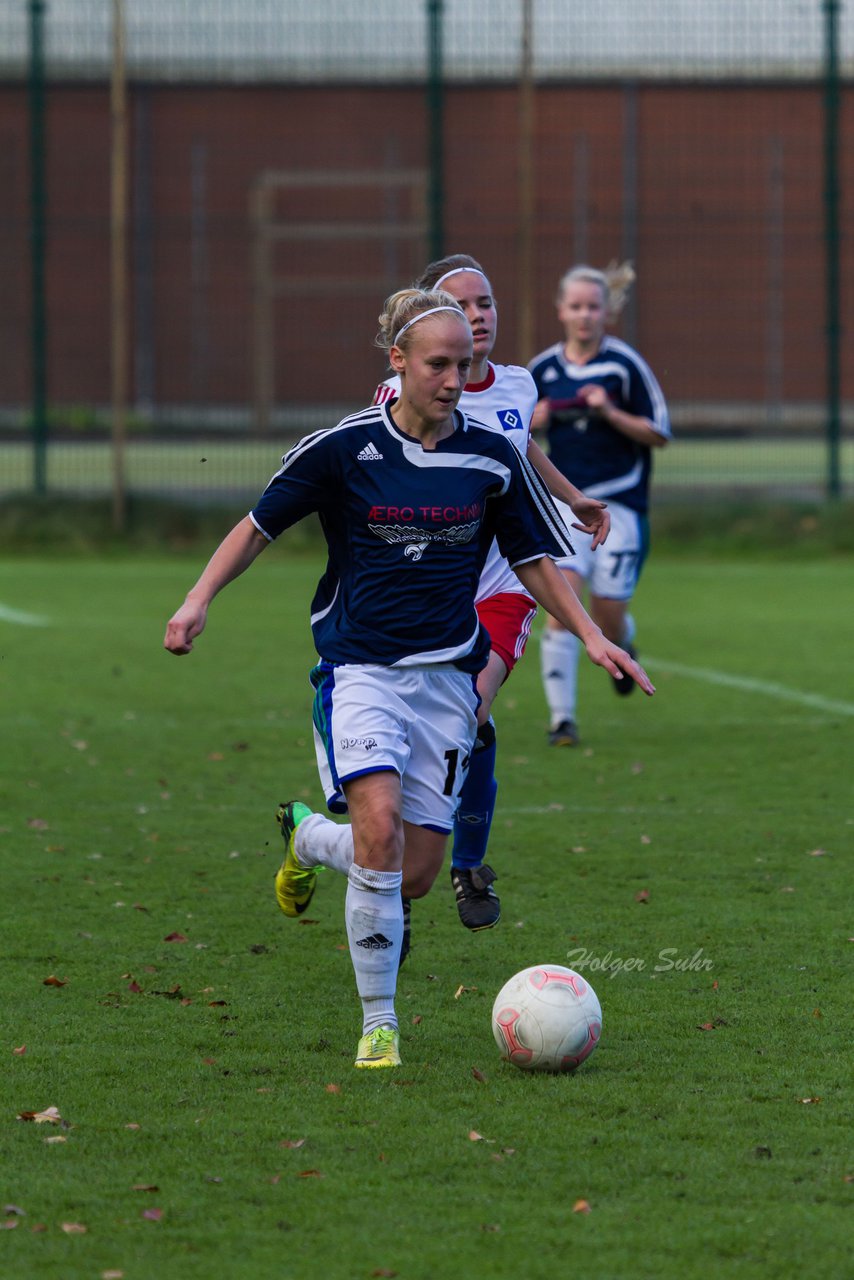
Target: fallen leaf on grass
490, 1226
20, 1051
817, 1013
9, 1225
53, 981
817, 853
461, 990
292, 1144
384, 1271
132, 1125
474, 1136
135, 987
15, 1210
309, 1173
333, 1088
642, 895
645, 840
478, 1075
175, 937
807, 1100
112, 1275
50, 1115
56, 1137
416, 1021
581, 1206
38, 824
144, 1186
38, 1227
74, 1228
152, 1215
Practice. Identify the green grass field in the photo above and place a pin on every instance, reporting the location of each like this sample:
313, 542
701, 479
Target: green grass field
693, 853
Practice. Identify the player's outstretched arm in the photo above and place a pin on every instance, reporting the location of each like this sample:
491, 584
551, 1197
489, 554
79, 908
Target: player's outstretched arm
545, 583
591, 515
232, 557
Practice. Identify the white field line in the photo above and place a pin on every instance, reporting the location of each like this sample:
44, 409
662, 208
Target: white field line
20, 618
748, 685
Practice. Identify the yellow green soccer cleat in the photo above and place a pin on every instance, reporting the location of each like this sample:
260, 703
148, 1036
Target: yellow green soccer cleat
379, 1048
295, 883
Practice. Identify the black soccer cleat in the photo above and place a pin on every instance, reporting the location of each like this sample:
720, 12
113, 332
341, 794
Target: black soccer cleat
564, 735
624, 685
477, 901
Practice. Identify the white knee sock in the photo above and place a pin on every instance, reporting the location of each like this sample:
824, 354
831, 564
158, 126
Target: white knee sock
629, 631
374, 915
559, 664
321, 842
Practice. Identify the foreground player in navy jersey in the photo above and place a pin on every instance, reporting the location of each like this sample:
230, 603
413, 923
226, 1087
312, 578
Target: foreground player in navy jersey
410, 498
503, 397
605, 415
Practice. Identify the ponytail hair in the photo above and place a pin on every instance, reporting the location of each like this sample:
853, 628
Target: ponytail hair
615, 281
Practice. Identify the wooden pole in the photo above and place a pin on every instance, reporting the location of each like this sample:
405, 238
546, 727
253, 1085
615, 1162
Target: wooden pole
118, 265
526, 287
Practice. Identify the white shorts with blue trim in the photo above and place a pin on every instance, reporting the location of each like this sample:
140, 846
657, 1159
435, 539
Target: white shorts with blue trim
419, 722
612, 570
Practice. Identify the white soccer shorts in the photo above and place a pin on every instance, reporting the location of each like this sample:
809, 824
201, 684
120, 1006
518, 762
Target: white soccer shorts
612, 570
419, 722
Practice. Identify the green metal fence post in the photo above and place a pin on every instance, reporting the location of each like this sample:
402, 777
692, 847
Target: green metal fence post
435, 127
831, 240
38, 324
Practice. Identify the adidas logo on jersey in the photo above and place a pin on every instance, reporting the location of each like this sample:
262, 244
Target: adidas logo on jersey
370, 453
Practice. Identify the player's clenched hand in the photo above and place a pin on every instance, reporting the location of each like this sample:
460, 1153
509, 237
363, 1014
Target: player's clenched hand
596, 398
592, 516
616, 662
183, 627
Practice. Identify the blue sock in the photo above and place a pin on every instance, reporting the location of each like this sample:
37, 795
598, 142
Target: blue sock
477, 802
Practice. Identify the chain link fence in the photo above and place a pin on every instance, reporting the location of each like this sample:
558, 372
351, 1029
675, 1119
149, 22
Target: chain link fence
200, 221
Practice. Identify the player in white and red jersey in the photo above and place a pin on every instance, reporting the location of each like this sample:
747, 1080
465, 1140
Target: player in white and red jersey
502, 397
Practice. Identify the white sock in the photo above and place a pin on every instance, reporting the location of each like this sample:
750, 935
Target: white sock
559, 664
320, 841
373, 912
629, 631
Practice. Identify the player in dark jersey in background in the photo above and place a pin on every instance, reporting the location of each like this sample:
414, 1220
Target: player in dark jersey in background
504, 397
410, 497
605, 413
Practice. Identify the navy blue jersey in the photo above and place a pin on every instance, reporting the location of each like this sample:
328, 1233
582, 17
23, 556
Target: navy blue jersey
408, 530
595, 456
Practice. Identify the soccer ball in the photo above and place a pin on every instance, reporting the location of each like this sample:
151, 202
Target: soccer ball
546, 1018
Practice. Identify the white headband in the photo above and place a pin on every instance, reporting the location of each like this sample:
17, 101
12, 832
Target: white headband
421, 314
455, 272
